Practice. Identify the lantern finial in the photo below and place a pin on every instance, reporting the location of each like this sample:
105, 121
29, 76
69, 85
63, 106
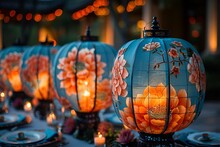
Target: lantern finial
47, 42
155, 24
155, 30
88, 37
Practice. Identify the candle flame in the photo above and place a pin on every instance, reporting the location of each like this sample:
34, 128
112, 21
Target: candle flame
86, 93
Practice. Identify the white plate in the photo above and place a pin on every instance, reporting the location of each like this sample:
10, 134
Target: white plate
9, 118
31, 137
196, 138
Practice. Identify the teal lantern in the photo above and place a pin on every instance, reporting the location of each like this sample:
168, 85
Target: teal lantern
36, 75
158, 85
10, 61
82, 75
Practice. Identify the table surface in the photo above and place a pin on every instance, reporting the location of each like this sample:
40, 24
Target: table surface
207, 121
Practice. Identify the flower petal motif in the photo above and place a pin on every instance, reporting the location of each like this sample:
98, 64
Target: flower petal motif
178, 44
119, 73
10, 70
151, 46
83, 67
38, 76
196, 76
175, 70
150, 110
173, 53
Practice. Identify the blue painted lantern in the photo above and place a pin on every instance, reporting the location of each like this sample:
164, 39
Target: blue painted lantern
36, 75
82, 74
158, 85
10, 67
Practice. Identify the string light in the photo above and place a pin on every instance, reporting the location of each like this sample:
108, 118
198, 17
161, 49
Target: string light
29, 16
6, 19
19, 17
12, 13
37, 17
58, 12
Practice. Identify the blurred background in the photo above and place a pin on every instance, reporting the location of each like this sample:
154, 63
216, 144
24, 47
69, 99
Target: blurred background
116, 22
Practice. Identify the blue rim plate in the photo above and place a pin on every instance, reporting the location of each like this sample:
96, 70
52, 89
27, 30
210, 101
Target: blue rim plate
9, 118
31, 137
196, 138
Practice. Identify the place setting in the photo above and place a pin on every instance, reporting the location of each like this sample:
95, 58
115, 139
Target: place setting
47, 137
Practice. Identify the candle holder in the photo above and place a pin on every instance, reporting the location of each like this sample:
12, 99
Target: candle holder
42, 109
86, 125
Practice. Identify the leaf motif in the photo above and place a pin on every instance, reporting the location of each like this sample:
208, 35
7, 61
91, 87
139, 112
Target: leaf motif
158, 65
173, 45
155, 66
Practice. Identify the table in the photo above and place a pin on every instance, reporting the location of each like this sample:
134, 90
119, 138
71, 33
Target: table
207, 121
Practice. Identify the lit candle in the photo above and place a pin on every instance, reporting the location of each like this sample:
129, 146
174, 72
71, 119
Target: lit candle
99, 140
2, 97
27, 106
51, 118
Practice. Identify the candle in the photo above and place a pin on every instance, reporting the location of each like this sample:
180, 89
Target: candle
99, 140
51, 118
27, 106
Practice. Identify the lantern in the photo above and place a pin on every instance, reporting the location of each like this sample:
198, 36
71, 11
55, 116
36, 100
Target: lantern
10, 73
82, 76
158, 85
37, 77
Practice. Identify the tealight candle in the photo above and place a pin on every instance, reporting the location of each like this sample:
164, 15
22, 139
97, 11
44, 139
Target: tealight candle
27, 106
51, 118
99, 140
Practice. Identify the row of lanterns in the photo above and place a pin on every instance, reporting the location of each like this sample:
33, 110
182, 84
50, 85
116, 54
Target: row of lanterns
156, 83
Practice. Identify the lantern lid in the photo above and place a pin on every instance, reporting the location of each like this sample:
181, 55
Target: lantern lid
155, 30
47, 42
88, 37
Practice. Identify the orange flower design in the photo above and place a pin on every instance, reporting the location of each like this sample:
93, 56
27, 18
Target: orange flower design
178, 44
173, 53
151, 46
175, 71
103, 97
119, 73
84, 67
37, 74
10, 70
196, 75
150, 110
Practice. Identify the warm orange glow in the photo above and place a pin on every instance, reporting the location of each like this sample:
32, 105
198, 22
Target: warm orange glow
14, 79
1, 16
102, 12
139, 2
6, 19
131, 6
43, 33
120, 9
12, 13
141, 24
19, 17
195, 33
29, 16
58, 12
37, 17
50, 17
212, 28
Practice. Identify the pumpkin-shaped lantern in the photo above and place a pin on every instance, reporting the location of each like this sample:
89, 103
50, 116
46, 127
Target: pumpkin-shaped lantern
10, 73
82, 71
158, 85
36, 75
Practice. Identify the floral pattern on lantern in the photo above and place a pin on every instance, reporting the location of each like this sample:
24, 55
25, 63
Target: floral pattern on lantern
164, 83
82, 75
36, 72
10, 67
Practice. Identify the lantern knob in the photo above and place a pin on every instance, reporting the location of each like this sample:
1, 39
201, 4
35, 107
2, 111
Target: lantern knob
47, 42
88, 36
155, 30
155, 24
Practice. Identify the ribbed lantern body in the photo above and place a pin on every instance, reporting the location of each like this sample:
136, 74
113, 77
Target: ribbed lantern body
10, 67
82, 74
158, 84
36, 72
